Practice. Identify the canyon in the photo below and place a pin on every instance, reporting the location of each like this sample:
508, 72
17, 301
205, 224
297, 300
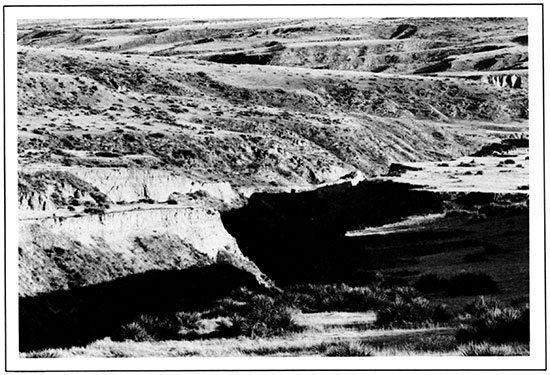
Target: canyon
165, 163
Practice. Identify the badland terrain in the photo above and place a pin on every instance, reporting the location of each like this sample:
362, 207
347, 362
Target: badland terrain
273, 187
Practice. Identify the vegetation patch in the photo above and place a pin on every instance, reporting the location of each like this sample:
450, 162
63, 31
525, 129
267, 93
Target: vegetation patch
487, 349
333, 297
349, 349
488, 320
155, 328
408, 310
265, 317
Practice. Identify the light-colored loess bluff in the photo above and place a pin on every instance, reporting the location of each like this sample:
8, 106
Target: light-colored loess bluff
65, 252
131, 185
98, 241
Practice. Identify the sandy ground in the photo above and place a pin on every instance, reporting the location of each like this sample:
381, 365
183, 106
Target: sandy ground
508, 174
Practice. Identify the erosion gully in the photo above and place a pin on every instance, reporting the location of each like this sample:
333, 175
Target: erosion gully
293, 238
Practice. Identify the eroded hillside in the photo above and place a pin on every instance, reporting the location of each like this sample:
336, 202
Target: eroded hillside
249, 124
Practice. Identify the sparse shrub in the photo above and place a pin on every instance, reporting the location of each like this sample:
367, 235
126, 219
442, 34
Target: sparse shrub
89, 203
117, 353
94, 210
149, 327
132, 331
230, 326
439, 343
407, 312
265, 317
488, 320
227, 307
349, 349
312, 298
188, 320
48, 353
160, 328
486, 349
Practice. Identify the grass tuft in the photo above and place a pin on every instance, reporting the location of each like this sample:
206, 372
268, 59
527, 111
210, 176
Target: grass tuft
486, 349
333, 297
265, 317
410, 312
349, 349
47, 353
488, 320
153, 328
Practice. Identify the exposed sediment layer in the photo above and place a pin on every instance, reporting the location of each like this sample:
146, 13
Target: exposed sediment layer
126, 185
60, 253
135, 184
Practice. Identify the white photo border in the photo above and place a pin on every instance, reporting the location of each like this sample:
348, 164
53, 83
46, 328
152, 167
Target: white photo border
537, 360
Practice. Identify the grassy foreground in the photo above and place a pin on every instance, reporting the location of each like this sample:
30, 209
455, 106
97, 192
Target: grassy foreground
311, 320
317, 340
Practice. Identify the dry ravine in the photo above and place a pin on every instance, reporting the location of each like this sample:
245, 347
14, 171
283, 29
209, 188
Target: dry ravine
273, 187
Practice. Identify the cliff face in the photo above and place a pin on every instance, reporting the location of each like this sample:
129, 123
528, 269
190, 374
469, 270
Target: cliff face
95, 251
47, 190
118, 184
34, 200
131, 185
100, 241
61, 253
506, 80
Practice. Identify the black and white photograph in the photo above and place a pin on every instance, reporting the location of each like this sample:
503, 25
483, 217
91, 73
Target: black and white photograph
257, 182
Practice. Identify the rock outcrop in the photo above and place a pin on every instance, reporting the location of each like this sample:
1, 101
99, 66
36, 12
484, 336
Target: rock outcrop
505, 80
48, 190
65, 252
131, 185
43, 189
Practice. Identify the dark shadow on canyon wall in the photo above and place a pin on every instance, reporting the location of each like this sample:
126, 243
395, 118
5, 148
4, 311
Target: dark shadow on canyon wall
79, 316
299, 237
